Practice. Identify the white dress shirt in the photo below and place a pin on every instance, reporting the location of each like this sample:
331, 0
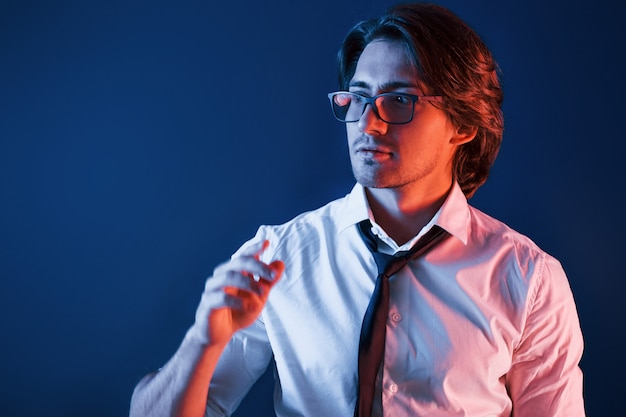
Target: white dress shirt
483, 325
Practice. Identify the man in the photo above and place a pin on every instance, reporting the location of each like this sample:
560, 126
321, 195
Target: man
481, 323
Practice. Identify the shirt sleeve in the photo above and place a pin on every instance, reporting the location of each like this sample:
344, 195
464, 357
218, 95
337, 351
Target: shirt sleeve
545, 378
242, 362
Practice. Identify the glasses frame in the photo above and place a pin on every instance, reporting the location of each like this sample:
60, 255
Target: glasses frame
372, 102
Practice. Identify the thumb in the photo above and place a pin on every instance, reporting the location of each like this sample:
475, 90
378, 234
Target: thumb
277, 267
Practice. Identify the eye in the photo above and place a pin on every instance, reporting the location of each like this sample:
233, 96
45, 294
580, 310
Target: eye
401, 99
343, 100
357, 97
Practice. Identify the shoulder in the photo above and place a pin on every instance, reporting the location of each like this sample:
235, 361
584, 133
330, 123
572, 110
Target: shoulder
325, 217
487, 230
323, 223
523, 257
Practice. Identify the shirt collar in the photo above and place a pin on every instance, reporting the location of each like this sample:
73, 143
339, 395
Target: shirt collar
354, 208
453, 215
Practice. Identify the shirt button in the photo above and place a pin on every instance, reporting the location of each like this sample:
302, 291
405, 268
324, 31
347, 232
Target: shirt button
393, 388
396, 317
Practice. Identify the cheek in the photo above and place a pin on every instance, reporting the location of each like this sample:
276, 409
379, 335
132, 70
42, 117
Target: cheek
434, 132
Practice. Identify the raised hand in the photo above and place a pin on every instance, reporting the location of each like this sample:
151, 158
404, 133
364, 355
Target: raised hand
235, 295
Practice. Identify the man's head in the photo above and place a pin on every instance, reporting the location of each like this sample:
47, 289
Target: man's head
450, 61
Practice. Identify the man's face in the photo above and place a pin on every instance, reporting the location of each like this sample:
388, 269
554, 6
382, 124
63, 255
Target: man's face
417, 154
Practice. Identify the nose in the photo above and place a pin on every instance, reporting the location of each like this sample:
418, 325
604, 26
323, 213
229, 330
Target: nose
370, 123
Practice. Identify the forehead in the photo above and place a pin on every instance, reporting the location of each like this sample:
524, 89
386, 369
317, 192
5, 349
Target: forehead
385, 63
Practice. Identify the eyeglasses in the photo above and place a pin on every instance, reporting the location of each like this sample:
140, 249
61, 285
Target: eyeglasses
392, 108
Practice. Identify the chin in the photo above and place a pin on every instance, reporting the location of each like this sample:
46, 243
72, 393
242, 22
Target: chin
372, 175
370, 181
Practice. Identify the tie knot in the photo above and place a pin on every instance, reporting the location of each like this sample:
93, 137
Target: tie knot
391, 264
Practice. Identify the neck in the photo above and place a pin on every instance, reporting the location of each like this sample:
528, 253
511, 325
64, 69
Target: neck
401, 214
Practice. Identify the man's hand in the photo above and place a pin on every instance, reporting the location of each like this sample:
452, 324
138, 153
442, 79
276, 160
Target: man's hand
235, 295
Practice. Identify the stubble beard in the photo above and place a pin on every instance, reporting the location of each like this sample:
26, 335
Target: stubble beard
369, 175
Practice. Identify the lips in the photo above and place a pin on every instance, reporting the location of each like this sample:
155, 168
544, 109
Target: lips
373, 150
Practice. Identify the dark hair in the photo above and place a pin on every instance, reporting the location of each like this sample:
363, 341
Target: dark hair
452, 61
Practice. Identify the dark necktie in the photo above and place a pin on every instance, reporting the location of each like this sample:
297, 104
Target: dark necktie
372, 341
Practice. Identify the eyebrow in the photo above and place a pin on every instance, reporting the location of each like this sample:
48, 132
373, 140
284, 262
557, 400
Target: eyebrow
384, 87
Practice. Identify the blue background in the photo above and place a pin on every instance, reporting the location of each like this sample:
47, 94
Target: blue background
141, 142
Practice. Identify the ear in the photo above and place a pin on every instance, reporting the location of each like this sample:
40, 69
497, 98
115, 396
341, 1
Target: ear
463, 135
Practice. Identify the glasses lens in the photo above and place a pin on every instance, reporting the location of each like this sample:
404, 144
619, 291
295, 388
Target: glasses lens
390, 107
347, 107
395, 108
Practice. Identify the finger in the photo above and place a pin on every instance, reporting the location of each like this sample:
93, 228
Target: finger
250, 289
231, 279
277, 268
265, 245
243, 286
246, 265
257, 255
218, 300
255, 249
229, 298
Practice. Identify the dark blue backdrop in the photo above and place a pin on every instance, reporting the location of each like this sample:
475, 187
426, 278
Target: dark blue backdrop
142, 141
